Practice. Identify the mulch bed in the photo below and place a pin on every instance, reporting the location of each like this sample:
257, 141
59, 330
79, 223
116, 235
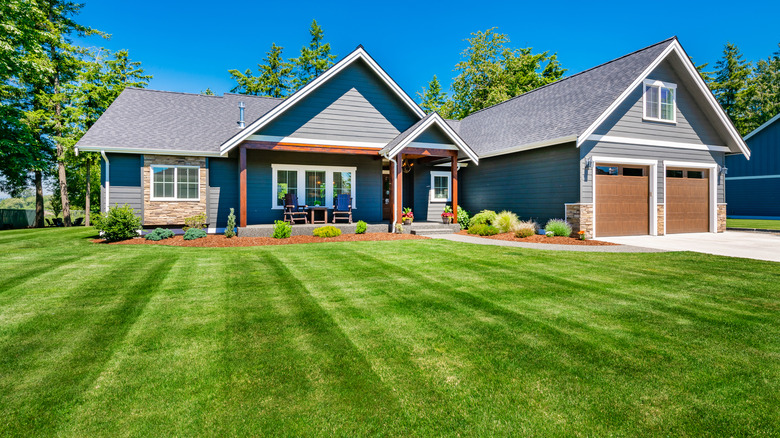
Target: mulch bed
558, 240
220, 241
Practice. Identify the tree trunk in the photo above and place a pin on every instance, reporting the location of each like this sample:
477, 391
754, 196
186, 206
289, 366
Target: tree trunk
61, 174
89, 192
39, 223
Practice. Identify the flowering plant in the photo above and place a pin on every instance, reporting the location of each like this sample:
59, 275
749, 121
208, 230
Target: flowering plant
448, 214
582, 235
407, 214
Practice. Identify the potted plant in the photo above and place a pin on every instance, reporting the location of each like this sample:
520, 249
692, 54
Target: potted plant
447, 215
407, 217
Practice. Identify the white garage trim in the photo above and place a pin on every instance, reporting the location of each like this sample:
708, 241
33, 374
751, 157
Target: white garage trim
653, 164
713, 175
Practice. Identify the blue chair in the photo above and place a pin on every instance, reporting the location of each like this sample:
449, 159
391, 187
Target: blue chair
292, 211
343, 208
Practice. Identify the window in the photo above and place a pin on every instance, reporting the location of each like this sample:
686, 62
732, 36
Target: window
440, 186
696, 174
314, 185
673, 173
633, 171
286, 182
175, 183
342, 184
660, 101
606, 170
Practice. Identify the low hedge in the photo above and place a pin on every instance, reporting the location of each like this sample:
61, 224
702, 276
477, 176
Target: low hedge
194, 233
327, 231
483, 230
159, 234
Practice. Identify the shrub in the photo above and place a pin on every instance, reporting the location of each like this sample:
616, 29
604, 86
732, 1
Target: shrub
505, 221
327, 231
159, 234
463, 218
484, 217
282, 230
559, 227
549, 233
399, 228
230, 229
483, 230
524, 229
361, 227
194, 233
198, 221
118, 223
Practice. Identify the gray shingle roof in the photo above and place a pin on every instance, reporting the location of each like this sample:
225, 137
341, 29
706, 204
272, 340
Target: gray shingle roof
400, 137
561, 109
163, 120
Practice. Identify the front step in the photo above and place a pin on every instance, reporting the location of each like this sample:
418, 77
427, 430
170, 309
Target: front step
426, 228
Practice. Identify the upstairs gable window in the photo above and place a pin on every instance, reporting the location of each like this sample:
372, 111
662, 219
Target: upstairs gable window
660, 101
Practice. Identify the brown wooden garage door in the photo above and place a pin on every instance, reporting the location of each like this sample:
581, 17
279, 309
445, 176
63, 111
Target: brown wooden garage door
687, 201
622, 200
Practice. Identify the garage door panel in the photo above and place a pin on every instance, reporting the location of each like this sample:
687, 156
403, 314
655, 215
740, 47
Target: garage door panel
622, 205
687, 201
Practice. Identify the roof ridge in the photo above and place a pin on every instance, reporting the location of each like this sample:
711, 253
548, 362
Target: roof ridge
574, 75
203, 95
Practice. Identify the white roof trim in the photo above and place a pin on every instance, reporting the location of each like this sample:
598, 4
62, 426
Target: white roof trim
121, 150
529, 146
359, 53
760, 128
676, 48
437, 119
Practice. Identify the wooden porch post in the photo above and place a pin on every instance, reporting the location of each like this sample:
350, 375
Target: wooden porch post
242, 185
454, 166
399, 178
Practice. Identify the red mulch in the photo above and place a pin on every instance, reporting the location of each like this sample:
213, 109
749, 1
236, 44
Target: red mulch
220, 241
558, 240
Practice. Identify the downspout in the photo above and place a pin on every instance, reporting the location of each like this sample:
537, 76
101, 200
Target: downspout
395, 190
108, 183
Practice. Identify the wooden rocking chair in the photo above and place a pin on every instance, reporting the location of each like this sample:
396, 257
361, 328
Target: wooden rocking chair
343, 208
294, 212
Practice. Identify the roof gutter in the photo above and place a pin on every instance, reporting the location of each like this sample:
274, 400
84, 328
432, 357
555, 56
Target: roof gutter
121, 150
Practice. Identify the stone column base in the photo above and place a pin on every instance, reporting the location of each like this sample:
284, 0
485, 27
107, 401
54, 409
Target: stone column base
580, 216
661, 228
721, 219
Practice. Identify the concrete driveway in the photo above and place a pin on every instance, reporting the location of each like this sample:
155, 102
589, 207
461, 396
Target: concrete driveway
759, 246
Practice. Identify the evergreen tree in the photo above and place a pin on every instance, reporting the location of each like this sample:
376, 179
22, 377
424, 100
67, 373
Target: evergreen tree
207, 92
434, 99
766, 85
314, 59
731, 86
275, 73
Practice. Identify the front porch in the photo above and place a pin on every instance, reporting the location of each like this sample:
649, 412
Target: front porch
267, 230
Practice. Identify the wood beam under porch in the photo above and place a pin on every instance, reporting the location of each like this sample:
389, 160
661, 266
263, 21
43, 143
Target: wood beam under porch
296, 147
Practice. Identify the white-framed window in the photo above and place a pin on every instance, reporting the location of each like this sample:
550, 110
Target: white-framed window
659, 101
441, 186
314, 185
175, 183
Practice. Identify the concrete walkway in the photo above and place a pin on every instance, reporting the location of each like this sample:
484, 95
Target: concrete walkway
758, 246
551, 247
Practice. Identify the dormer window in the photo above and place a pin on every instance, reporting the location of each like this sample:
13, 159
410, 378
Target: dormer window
660, 101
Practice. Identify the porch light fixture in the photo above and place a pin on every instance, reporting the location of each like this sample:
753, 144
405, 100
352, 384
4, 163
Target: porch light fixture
588, 163
407, 166
723, 170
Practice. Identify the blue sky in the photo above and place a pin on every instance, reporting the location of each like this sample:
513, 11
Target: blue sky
189, 46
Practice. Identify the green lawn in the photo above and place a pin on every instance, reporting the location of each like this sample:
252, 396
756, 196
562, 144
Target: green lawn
763, 224
382, 338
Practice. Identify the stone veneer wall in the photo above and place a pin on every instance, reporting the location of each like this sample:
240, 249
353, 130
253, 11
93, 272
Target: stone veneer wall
721, 221
172, 212
660, 228
580, 216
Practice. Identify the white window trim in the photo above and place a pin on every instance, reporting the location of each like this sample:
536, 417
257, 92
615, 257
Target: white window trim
175, 183
653, 201
658, 84
301, 178
434, 174
713, 175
